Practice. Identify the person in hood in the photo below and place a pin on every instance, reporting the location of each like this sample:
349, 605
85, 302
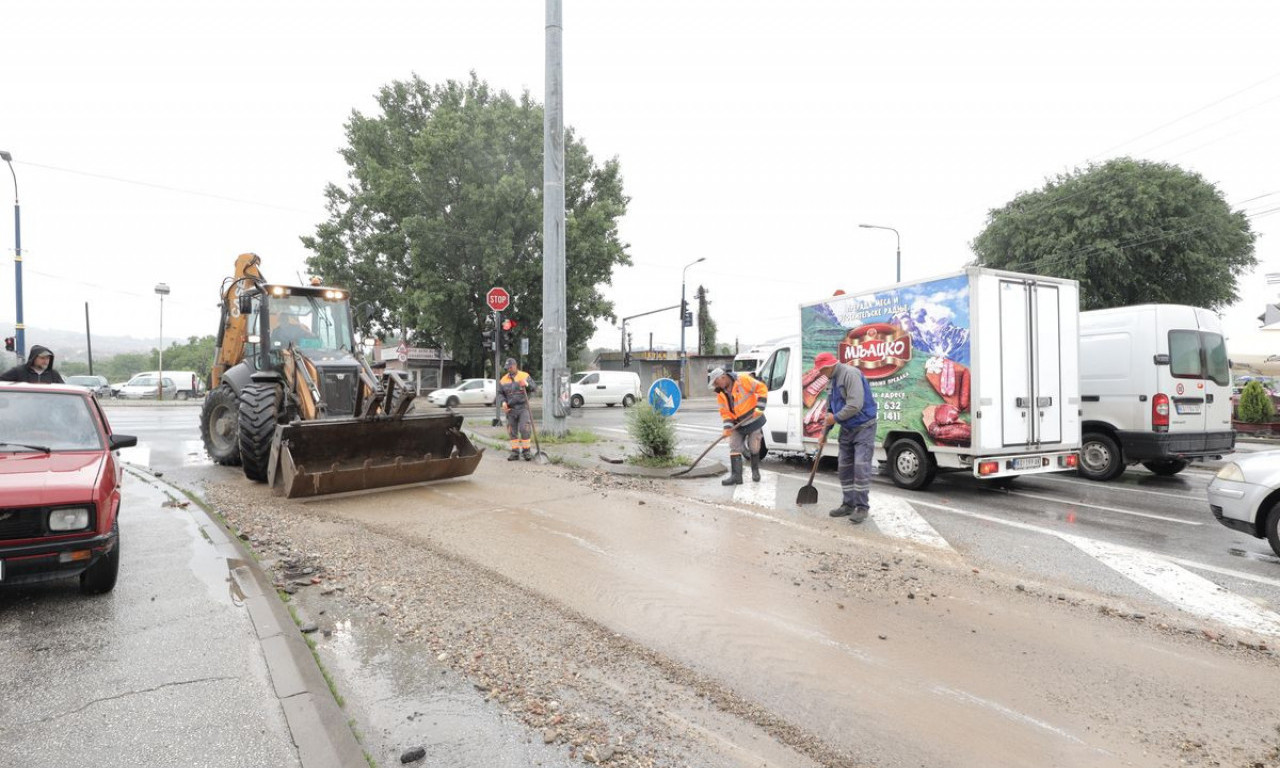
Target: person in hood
37, 370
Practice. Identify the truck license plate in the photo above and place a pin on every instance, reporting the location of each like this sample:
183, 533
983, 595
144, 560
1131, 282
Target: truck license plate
1188, 407
1031, 462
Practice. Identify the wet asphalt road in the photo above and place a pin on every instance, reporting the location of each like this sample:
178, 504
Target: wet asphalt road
1058, 530
164, 670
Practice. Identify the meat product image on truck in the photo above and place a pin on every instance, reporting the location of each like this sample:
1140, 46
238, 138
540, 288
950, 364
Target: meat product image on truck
975, 371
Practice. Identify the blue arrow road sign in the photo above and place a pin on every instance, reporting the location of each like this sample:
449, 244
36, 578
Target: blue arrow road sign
664, 396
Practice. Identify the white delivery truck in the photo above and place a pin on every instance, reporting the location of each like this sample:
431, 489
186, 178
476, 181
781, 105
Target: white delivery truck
1155, 389
974, 371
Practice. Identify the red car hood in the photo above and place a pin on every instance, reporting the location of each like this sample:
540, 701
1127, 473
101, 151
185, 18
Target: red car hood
40, 479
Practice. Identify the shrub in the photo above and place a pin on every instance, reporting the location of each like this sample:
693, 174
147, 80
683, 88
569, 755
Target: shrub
1255, 404
654, 433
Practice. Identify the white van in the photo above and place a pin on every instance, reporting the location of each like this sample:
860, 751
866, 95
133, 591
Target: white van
751, 361
188, 382
1155, 387
604, 387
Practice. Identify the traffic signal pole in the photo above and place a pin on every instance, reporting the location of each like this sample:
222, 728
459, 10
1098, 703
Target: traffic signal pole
497, 365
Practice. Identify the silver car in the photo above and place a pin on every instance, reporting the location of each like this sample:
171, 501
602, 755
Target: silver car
1245, 495
147, 387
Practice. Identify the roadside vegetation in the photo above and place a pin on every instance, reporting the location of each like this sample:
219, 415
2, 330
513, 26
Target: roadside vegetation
655, 438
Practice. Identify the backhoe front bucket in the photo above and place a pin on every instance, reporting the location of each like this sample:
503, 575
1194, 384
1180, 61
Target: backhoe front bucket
313, 458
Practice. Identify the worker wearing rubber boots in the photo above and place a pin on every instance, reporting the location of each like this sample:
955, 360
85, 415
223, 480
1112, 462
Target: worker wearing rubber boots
851, 405
742, 400
513, 392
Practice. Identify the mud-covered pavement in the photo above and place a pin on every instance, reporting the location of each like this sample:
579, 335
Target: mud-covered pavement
557, 614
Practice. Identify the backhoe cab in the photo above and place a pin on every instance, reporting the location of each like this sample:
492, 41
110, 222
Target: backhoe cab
294, 402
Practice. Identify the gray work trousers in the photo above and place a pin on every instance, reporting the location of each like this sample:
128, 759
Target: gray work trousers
857, 446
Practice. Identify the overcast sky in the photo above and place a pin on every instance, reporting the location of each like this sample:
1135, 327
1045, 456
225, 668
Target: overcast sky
154, 141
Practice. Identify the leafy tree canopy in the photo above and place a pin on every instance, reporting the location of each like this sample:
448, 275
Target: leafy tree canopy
444, 202
1130, 231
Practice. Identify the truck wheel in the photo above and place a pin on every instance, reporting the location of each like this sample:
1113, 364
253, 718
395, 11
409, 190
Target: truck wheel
258, 406
1099, 457
575, 401
628, 401
100, 578
1166, 467
1273, 528
910, 465
218, 426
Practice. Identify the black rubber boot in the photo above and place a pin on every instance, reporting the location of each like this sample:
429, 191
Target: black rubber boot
515, 455
528, 454
735, 471
755, 467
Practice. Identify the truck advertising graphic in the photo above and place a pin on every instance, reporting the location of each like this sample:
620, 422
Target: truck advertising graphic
975, 371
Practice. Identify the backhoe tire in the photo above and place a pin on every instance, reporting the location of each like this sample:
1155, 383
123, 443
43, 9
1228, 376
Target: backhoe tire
218, 426
259, 404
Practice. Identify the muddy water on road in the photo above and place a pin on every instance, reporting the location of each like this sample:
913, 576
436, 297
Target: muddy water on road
886, 656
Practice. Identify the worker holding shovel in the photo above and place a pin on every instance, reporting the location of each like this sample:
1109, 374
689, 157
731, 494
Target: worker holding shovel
851, 406
742, 400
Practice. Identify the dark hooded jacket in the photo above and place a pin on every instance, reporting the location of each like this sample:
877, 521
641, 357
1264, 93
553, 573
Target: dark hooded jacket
27, 373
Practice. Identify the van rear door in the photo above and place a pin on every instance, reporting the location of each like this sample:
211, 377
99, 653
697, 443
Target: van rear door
1031, 362
1198, 377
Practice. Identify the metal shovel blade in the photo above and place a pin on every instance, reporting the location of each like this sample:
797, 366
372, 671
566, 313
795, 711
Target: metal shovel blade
807, 495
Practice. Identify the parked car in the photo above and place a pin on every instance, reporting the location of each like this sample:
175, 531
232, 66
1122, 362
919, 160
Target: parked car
189, 384
98, 385
143, 387
59, 487
604, 388
1245, 495
468, 392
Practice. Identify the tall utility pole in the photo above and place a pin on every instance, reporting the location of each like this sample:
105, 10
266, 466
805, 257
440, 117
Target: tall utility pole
20, 330
555, 354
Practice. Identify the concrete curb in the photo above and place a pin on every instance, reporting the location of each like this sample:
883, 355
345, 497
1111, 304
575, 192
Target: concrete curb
318, 726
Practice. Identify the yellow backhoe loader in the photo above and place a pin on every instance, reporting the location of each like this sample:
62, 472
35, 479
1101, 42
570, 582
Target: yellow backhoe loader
293, 401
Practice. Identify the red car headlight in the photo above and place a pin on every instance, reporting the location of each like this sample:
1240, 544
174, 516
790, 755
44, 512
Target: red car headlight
69, 519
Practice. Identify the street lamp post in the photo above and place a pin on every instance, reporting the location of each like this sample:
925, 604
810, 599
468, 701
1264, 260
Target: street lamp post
19, 330
684, 387
895, 232
162, 289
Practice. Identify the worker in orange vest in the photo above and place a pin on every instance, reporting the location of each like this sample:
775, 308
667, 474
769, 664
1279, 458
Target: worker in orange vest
742, 401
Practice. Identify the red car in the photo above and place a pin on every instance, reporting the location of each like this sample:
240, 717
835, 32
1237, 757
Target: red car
59, 487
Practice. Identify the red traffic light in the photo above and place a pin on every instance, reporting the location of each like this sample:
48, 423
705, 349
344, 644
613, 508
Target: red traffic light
509, 325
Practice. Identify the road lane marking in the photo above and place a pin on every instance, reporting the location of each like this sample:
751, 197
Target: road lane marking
761, 494
1156, 574
1011, 714
1192, 593
895, 517
1057, 478
1224, 571
1118, 510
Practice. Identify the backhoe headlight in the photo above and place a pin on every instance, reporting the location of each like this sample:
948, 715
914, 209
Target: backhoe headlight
69, 519
1231, 472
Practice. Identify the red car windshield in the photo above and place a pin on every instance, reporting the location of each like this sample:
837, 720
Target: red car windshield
59, 421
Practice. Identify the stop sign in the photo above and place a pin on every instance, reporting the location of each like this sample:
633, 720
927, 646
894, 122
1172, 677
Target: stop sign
498, 299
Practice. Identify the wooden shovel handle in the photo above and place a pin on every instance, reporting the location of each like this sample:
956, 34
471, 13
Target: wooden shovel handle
822, 443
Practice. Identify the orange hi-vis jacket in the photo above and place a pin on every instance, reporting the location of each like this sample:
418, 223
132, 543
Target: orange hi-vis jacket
741, 404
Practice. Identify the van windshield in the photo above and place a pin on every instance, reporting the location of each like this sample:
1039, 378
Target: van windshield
747, 365
1199, 355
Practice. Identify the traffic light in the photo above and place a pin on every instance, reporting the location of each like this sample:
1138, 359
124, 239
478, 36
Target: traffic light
509, 325
626, 359
487, 336
9, 344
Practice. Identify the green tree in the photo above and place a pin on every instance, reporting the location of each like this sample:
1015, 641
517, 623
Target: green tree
1255, 405
706, 326
1130, 231
444, 202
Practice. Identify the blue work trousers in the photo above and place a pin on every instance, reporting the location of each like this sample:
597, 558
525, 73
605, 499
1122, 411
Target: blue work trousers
857, 446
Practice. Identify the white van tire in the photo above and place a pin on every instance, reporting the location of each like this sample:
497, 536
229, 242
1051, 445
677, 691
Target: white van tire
628, 401
1100, 457
1166, 467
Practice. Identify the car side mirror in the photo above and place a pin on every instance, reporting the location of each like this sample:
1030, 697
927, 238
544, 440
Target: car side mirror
122, 441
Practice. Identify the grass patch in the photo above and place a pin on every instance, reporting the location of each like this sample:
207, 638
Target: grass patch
583, 436
659, 462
